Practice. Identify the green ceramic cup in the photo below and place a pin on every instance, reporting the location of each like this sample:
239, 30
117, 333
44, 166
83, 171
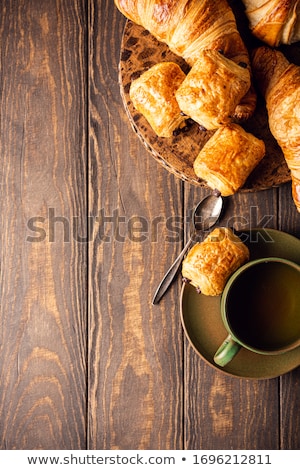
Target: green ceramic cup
260, 308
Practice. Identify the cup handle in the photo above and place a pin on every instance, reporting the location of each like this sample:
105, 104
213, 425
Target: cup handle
226, 352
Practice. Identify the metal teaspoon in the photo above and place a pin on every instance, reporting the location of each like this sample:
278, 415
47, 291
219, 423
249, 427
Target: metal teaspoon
205, 215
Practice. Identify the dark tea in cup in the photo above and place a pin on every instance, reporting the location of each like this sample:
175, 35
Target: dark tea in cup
260, 308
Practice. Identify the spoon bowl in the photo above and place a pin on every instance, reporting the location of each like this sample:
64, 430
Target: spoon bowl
205, 215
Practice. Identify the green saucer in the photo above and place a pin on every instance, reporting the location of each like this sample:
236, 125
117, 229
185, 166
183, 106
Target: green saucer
203, 326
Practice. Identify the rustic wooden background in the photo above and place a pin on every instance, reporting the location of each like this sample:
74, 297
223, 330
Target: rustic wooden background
86, 218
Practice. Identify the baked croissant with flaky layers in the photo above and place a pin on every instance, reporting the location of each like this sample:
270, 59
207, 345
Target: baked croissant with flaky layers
228, 158
153, 94
279, 82
189, 26
209, 264
212, 89
274, 22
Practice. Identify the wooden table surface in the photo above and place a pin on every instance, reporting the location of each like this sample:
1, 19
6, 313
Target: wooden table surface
90, 222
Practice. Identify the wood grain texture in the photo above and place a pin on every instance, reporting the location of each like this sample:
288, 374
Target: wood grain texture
90, 223
289, 221
43, 267
135, 396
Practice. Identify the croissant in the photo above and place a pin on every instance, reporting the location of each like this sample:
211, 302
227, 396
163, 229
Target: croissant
279, 82
212, 89
153, 94
189, 26
228, 157
209, 264
274, 22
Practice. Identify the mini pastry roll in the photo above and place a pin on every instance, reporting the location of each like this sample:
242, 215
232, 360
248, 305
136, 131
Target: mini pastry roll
213, 89
209, 264
228, 157
153, 95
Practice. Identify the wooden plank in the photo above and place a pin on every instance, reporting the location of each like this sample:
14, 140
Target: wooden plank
288, 216
43, 216
289, 412
135, 377
289, 221
224, 412
229, 413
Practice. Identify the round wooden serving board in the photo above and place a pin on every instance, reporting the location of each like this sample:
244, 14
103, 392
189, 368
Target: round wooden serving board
140, 51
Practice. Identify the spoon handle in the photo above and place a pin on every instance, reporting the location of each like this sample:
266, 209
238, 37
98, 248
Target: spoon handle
170, 274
